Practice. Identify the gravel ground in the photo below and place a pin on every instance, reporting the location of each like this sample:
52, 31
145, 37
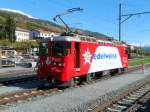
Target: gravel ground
74, 100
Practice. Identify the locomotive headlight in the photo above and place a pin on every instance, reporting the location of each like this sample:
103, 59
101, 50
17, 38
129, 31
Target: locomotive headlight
60, 65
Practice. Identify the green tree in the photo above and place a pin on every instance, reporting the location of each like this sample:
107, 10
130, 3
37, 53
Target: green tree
2, 35
26, 45
10, 27
2, 32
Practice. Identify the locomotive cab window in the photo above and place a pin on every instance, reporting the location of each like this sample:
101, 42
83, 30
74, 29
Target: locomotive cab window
60, 48
43, 49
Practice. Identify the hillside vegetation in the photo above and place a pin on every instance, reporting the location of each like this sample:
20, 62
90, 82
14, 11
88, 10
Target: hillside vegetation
25, 22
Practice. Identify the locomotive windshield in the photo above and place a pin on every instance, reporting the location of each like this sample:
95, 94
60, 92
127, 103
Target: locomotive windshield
43, 49
59, 48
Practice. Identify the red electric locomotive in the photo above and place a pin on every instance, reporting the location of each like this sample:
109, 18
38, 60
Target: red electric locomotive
68, 59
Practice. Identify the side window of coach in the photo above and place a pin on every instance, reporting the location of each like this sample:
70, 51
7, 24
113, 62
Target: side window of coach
43, 49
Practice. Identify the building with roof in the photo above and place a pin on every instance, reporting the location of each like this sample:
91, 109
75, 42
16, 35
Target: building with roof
22, 34
39, 33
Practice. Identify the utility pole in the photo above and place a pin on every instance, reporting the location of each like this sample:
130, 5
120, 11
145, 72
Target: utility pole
125, 17
119, 21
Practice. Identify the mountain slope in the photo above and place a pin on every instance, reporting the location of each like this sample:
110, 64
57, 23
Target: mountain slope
17, 11
147, 48
28, 22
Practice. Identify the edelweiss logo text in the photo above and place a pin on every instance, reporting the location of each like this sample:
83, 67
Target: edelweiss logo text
87, 56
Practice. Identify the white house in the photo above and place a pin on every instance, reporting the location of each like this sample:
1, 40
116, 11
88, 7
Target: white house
22, 34
39, 33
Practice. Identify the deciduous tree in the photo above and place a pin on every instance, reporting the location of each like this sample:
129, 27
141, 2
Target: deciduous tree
10, 27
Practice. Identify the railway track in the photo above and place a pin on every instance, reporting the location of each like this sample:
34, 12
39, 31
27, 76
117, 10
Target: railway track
24, 95
9, 78
23, 76
15, 80
28, 94
129, 101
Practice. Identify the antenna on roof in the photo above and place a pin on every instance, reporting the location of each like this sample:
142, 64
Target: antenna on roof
58, 16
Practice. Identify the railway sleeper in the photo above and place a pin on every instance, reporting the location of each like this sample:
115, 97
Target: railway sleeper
132, 98
118, 106
128, 100
123, 107
112, 110
123, 103
135, 96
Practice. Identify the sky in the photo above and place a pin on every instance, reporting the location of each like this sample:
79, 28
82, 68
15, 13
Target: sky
97, 15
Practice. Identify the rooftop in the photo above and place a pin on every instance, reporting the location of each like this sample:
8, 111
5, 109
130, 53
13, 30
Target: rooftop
23, 30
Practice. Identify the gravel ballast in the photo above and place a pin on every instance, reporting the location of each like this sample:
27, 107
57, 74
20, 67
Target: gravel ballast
79, 99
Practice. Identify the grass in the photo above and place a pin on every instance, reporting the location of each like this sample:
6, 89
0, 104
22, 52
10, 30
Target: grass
138, 61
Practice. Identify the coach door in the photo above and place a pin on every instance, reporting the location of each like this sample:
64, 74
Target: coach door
77, 55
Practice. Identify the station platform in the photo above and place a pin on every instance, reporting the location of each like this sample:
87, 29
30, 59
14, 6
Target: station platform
12, 69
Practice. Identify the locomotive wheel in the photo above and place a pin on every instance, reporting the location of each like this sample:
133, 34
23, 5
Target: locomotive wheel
119, 70
72, 82
125, 69
46, 82
89, 77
